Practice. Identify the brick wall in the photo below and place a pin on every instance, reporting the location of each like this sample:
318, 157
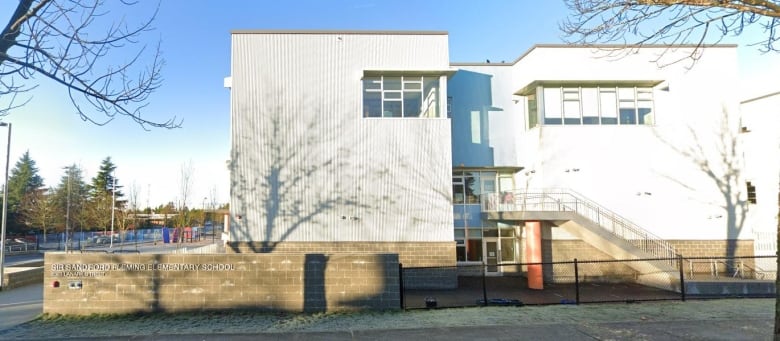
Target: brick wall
410, 254
133, 283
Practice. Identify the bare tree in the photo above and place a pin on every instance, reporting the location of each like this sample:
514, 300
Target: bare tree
185, 187
634, 23
59, 40
37, 209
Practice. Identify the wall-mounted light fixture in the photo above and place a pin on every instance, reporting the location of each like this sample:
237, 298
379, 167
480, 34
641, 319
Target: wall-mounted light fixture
643, 193
572, 170
527, 173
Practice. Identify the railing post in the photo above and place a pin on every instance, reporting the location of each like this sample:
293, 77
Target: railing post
576, 282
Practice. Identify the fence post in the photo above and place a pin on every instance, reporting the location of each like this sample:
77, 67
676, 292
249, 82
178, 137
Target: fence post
576, 282
401, 284
484, 284
682, 276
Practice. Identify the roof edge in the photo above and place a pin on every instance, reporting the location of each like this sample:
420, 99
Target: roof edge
620, 46
771, 94
367, 32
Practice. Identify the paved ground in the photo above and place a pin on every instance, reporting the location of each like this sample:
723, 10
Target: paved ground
724, 319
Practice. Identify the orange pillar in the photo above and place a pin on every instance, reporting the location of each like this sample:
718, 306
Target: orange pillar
533, 254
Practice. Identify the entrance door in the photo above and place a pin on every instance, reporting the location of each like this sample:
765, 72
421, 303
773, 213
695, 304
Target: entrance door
492, 256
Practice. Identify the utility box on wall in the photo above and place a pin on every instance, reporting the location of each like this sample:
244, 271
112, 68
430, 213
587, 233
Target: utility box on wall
85, 284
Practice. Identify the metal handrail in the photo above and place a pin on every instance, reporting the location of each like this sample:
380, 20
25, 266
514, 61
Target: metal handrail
565, 200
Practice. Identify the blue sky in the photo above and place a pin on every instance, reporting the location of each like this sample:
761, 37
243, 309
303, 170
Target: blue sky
195, 38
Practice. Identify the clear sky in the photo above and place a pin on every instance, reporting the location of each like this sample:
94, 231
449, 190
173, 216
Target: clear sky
195, 38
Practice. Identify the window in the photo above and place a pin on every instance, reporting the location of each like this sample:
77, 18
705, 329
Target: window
751, 193
605, 105
401, 96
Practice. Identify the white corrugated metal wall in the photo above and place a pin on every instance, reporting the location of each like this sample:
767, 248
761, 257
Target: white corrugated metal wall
306, 166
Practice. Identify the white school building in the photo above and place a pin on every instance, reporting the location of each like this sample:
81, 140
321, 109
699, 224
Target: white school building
375, 141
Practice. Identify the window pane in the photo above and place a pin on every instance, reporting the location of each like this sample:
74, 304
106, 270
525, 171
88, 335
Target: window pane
626, 93
645, 112
474, 250
412, 83
460, 234
475, 233
571, 112
372, 104
590, 106
458, 193
412, 103
608, 103
627, 115
644, 94
392, 83
490, 233
507, 250
627, 112
472, 188
372, 83
460, 251
533, 119
392, 95
392, 109
431, 97
552, 106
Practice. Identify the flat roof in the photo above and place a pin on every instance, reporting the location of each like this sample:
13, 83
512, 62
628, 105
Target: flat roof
367, 32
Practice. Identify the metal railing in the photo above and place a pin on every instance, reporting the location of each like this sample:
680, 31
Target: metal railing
565, 200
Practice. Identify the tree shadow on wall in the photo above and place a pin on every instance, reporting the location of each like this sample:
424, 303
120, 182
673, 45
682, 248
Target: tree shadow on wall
289, 172
721, 166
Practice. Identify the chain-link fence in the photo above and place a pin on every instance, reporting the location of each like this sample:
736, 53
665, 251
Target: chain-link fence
588, 281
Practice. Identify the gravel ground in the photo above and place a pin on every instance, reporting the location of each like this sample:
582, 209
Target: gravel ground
52, 327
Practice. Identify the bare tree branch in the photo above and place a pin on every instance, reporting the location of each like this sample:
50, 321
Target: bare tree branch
61, 40
632, 24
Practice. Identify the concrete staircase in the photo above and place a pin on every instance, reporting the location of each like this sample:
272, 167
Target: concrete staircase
595, 225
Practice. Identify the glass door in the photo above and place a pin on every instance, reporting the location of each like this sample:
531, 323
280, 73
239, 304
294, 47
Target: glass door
492, 256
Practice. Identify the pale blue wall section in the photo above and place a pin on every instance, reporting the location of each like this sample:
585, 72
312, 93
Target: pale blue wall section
470, 94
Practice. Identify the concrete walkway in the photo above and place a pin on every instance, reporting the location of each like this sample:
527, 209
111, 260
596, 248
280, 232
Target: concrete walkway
723, 319
19, 305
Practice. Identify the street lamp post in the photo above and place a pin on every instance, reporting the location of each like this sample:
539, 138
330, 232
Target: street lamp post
113, 202
5, 206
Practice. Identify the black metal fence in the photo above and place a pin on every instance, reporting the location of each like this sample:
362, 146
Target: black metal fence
589, 281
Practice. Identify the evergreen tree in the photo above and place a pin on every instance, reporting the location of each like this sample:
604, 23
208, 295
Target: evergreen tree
103, 190
23, 181
71, 193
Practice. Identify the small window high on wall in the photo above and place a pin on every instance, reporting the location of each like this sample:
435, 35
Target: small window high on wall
592, 105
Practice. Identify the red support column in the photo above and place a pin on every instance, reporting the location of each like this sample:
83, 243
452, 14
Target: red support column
533, 254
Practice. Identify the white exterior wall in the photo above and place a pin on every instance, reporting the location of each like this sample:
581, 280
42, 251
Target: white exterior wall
617, 162
761, 117
305, 164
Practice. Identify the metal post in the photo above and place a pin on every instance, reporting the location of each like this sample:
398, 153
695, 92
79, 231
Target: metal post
113, 202
682, 277
5, 207
484, 284
67, 211
401, 283
576, 282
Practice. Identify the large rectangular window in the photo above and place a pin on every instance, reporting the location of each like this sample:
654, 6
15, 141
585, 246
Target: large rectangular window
401, 96
593, 105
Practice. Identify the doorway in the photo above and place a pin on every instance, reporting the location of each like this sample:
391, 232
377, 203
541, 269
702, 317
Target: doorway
492, 256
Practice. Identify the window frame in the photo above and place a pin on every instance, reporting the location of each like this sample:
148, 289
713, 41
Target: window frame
420, 88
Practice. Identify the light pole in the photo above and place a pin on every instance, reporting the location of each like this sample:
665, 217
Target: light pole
67, 210
113, 202
5, 206
204, 216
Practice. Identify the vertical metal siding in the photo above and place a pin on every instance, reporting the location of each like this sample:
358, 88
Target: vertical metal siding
296, 117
